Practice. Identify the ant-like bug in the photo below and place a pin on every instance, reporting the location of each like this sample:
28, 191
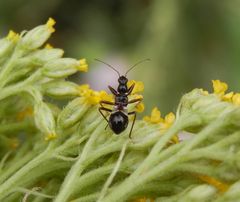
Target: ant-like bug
118, 120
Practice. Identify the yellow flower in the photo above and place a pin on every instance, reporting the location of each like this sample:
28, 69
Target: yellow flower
50, 23
84, 90
93, 97
48, 46
164, 123
155, 116
139, 86
222, 187
169, 119
219, 87
12, 36
236, 99
167, 123
83, 66
228, 97
51, 136
140, 107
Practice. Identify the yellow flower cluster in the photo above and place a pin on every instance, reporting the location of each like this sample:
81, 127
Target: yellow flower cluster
93, 97
219, 88
165, 123
138, 87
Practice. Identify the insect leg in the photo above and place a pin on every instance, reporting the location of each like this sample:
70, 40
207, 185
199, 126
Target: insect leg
106, 102
130, 89
135, 100
100, 109
114, 92
134, 119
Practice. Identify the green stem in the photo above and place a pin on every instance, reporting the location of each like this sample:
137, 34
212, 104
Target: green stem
9, 184
76, 170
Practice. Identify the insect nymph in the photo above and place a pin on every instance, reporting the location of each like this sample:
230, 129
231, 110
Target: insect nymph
118, 119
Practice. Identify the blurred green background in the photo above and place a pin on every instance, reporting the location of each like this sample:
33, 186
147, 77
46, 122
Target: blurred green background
189, 42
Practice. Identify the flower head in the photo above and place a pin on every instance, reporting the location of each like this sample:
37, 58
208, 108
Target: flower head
219, 87
236, 99
83, 66
12, 36
165, 122
155, 116
50, 23
93, 97
48, 46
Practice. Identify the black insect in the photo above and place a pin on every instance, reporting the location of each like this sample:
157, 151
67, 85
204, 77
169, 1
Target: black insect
118, 120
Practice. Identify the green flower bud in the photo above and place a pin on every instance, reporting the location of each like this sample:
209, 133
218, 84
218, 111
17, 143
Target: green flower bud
40, 57
38, 36
61, 89
6, 47
44, 119
208, 107
61, 68
72, 113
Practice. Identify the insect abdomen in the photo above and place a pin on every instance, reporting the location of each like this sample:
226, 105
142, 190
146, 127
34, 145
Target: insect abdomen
118, 122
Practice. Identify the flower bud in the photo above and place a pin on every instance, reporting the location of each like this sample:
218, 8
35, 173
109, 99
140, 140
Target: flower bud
72, 113
40, 57
36, 37
61, 89
60, 68
6, 47
208, 107
44, 119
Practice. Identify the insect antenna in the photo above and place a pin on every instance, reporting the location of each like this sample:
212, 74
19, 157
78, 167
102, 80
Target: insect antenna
136, 65
109, 66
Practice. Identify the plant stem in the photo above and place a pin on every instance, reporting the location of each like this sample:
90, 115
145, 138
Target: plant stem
11, 183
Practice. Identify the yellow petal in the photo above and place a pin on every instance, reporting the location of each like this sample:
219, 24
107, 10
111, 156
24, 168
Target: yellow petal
83, 66
48, 46
138, 87
169, 118
50, 23
155, 116
236, 99
140, 107
219, 87
228, 97
12, 36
